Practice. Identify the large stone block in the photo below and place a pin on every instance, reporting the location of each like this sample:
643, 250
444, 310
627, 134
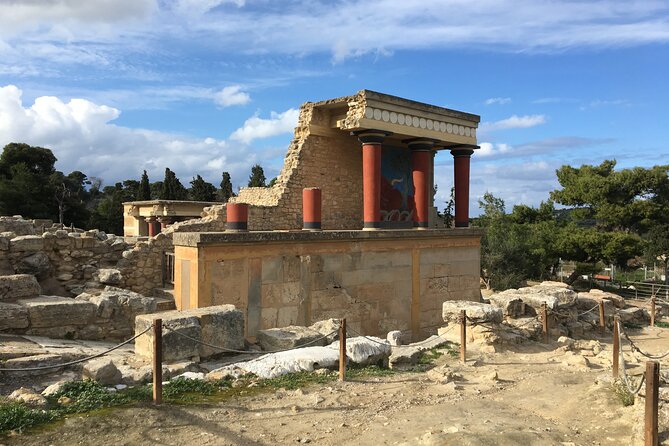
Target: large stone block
475, 311
110, 276
26, 243
221, 326
54, 311
37, 264
18, 286
289, 337
13, 316
175, 347
511, 304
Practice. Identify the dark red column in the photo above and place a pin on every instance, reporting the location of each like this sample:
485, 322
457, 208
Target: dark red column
165, 222
461, 159
371, 176
151, 223
311, 208
421, 159
237, 217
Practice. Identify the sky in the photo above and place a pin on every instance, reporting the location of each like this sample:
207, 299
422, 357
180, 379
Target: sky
114, 87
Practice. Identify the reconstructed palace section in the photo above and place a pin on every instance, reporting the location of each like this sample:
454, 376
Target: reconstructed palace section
369, 141
378, 280
361, 168
148, 218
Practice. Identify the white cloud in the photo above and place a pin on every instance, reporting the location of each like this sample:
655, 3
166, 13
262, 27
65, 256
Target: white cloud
513, 122
231, 95
256, 127
499, 101
83, 137
202, 6
490, 149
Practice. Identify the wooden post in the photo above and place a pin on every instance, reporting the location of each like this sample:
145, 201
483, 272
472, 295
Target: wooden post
616, 345
342, 350
157, 361
463, 336
544, 321
602, 318
651, 437
652, 311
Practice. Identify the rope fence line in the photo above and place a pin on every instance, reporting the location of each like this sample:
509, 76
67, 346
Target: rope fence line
638, 350
626, 380
78, 361
386, 343
252, 352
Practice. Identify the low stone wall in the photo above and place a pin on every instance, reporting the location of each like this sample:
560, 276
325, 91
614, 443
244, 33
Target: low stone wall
379, 280
68, 262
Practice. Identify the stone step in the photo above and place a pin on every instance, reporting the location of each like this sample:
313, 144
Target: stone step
165, 304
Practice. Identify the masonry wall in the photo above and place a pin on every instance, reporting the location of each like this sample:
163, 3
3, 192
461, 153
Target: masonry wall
378, 285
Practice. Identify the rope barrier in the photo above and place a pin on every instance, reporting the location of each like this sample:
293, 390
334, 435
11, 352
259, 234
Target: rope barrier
386, 343
249, 352
626, 379
589, 311
641, 352
78, 361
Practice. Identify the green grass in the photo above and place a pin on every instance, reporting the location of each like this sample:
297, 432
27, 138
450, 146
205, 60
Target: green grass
87, 396
662, 324
624, 395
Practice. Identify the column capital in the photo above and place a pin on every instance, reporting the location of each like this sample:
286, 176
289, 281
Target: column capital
371, 136
462, 150
421, 144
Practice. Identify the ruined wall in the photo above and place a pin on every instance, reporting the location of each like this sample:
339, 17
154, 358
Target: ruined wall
378, 285
67, 263
317, 157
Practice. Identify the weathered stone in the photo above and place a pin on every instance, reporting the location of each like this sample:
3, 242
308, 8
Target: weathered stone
102, 370
222, 326
329, 328
587, 300
13, 316
64, 277
4, 243
26, 243
408, 355
18, 226
54, 311
394, 337
451, 310
17, 286
289, 337
26, 362
278, 364
110, 276
54, 388
511, 305
366, 350
634, 315
29, 397
37, 264
175, 347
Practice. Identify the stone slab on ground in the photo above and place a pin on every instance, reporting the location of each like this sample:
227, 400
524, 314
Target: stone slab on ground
476, 311
408, 355
102, 370
511, 304
274, 365
18, 286
289, 337
222, 326
40, 360
55, 312
26, 243
366, 350
594, 296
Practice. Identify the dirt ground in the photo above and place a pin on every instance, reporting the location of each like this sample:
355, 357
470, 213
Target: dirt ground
535, 395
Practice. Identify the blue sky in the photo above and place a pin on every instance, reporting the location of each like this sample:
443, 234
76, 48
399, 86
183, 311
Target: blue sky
202, 86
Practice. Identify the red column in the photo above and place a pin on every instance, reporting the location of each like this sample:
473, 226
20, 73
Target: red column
237, 217
311, 208
461, 159
371, 176
165, 222
421, 158
151, 223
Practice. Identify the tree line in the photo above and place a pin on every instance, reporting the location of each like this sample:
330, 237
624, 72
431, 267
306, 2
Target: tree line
605, 216
31, 186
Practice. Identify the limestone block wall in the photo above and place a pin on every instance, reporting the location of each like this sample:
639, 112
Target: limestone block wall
66, 263
317, 157
379, 284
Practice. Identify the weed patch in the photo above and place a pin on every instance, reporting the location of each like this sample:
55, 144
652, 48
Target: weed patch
625, 396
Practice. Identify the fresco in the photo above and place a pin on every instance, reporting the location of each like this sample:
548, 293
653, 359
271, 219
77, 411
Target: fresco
397, 195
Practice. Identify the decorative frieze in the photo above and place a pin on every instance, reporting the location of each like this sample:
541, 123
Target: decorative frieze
409, 120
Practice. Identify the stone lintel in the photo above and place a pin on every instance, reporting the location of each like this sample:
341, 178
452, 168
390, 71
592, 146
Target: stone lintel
195, 239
